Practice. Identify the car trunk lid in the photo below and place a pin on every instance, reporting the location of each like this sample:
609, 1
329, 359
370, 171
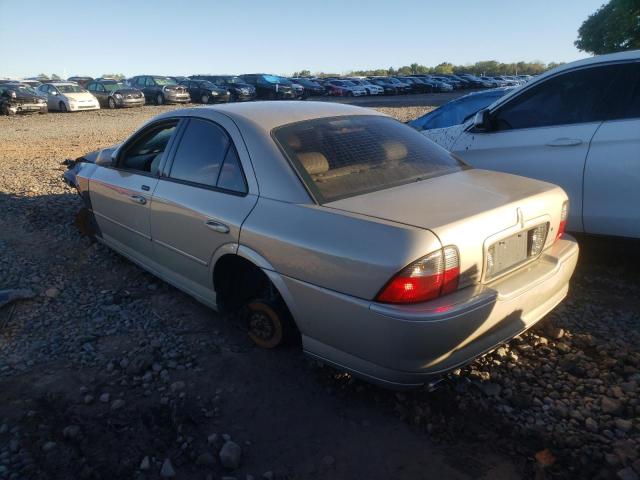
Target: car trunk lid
471, 209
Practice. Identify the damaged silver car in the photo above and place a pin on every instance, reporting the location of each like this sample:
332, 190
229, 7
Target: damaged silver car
384, 254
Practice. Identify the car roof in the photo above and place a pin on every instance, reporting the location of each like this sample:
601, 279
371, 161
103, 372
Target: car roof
266, 116
62, 83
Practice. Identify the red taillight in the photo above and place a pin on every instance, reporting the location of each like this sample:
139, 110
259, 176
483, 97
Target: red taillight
563, 218
425, 279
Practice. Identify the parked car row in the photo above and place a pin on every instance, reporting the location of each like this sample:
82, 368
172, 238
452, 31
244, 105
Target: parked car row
86, 93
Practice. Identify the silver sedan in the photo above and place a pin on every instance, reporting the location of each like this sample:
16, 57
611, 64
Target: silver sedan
335, 224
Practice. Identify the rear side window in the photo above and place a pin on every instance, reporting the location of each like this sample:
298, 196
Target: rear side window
206, 156
575, 97
340, 157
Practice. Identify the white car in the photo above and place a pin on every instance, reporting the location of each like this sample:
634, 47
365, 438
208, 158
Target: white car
68, 97
371, 88
577, 126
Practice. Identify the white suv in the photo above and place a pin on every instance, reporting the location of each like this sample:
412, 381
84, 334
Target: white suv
577, 126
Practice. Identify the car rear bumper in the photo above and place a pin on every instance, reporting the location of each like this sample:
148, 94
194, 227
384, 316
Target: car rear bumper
411, 345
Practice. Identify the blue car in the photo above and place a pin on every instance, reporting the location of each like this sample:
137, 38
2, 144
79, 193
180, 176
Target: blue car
456, 111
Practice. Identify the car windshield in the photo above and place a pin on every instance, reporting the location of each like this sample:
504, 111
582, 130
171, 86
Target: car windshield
111, 86
162, 81
306, 82
206, 84
341, 157
457, 111
70, 89
275, 79
23, 89
232, 79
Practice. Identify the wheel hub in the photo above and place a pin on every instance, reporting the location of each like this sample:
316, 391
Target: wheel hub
261, 325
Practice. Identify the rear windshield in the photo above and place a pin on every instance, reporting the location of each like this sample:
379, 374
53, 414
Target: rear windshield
341, 157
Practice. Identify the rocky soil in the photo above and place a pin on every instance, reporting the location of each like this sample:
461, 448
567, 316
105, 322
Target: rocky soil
107, 372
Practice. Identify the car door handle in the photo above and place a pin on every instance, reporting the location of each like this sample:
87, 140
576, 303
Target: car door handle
217, 226
564, 142
138, 199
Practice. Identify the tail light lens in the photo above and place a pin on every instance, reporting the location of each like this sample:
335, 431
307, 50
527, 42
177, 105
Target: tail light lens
563, 219
427, 278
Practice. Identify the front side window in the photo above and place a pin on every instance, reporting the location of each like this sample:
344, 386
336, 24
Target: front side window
569, 98
340, 157
145, 153
200, 154
150, 82
623, 99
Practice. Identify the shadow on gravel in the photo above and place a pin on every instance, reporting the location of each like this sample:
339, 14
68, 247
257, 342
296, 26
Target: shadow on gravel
142, 370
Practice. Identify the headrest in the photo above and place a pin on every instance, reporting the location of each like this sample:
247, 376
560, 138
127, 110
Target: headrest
294, 142
394, 151
313, 162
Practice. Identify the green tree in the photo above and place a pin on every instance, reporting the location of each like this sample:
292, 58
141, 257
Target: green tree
612, 28
414, 68
115, 76
302, 73
444, 68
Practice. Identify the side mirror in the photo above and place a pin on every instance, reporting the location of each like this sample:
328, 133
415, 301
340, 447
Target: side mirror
107, 158
482, 121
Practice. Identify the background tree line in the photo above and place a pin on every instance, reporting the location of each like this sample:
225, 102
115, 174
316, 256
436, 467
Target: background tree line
486, 67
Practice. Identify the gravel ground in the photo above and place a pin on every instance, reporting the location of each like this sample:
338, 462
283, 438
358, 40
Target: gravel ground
107, 372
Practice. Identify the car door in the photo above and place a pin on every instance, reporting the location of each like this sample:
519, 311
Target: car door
612, 172
201, 201
101, 94
150, 89
543, 132
121, 194
53, 97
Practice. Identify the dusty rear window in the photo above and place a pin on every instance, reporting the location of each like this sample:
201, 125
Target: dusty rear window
340, 157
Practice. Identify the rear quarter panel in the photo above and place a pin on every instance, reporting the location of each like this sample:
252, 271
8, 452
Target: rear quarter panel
347, 253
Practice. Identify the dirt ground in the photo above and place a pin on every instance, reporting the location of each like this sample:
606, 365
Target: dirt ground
109, 373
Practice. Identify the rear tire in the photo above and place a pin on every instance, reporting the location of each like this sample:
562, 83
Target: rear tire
160, 99
6, 110
63, 107
111, 103
204, 99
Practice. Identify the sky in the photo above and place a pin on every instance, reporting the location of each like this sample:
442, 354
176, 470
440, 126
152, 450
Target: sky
173, 37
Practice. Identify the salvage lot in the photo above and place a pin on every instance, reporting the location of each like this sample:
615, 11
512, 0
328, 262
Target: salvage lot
145, 371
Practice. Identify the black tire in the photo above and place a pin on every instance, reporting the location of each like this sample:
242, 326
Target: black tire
204, 98
268, 323
111, 103
6, 110
349, 93
85, 223
159, 99
63, 107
